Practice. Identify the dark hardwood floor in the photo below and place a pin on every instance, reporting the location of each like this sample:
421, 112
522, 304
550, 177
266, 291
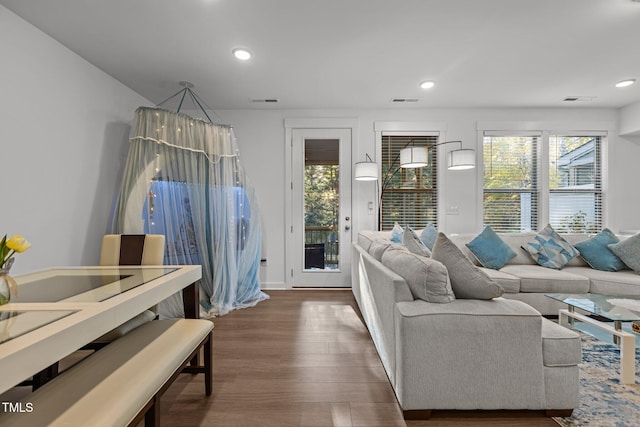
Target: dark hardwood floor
303, 358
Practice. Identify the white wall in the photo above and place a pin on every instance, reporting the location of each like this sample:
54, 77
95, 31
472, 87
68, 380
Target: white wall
64, 126
630, 120
261, 135
624, 167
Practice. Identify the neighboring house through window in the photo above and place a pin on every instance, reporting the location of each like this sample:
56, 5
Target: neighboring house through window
575, 184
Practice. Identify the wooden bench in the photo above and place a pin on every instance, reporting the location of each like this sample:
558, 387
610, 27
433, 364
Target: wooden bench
121, 384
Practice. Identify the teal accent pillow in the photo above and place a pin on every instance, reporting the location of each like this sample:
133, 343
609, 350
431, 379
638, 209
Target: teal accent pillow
628, 251
596, 253
412, 242
490, 250
429, 235
396, 233
550, 250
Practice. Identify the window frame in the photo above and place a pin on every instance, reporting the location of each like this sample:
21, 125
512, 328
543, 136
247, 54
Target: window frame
535, 189
546, 130
432, 140
420, 128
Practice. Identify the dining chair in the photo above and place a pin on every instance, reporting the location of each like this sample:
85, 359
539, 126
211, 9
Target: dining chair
129, 249
117, 250
132, 249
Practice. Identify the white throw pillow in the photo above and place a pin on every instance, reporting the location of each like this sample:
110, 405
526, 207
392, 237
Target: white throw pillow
412, 242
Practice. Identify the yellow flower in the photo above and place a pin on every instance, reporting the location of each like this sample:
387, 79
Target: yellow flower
18, 243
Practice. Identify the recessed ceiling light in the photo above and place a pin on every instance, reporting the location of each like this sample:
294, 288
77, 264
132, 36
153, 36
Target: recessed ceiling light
626, 83
427, 85
241, 53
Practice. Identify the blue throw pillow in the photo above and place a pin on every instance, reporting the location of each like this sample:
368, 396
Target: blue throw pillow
490, 250
396, 233
429, 236
628, 251
550, 250
596, 253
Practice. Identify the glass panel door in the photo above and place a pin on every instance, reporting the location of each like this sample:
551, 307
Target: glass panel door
322, 207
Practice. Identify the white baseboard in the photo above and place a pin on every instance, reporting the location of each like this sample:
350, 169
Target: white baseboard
273, 286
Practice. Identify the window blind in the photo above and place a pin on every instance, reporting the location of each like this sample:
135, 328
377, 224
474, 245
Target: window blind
409, 196
575, 183
511, 191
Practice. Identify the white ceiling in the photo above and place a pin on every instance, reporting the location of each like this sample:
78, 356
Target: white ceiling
357, 53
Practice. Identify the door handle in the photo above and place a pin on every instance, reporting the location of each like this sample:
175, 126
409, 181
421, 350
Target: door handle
347, 227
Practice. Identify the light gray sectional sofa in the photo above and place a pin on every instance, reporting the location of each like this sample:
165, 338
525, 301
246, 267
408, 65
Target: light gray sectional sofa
467, 354
524, 280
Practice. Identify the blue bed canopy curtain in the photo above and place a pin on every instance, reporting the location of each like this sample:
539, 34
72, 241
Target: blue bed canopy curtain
183, 179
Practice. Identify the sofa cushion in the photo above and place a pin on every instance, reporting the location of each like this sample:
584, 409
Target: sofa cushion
490, 250
534, 278
628, 251
560, 346
429, 235
509, 282
624, 282
366, 237
427, 278
396, 233
596, 253
377, 248
412, 242
550, 250
462, 310
467, 280
517, 241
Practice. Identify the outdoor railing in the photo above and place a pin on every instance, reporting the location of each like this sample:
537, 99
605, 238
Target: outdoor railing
326, 236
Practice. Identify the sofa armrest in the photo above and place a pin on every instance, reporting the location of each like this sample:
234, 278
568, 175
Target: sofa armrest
469, 354
378, 290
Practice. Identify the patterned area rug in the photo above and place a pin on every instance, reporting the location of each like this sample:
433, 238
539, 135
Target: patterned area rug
604, 401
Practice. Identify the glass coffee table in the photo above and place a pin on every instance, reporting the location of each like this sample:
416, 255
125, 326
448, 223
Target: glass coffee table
600, 311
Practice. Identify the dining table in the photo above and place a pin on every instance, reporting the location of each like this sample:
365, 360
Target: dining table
59, 310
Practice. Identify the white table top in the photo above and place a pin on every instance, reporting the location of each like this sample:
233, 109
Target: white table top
47, 321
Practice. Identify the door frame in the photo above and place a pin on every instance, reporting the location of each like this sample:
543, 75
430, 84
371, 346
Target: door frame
300, 124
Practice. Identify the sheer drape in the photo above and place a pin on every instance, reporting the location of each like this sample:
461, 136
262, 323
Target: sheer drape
183, 179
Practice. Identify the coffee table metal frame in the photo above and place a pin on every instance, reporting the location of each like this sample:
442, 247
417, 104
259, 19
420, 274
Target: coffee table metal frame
626, 340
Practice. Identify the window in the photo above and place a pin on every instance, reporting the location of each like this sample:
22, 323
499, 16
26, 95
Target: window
510, 183
408, 196
570, 191
575, 185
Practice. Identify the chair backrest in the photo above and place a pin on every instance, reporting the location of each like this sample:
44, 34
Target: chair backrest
132, 249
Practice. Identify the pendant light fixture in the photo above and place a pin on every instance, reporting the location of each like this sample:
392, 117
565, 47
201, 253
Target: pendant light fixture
460, 159
418, 157
367, 170
414, 157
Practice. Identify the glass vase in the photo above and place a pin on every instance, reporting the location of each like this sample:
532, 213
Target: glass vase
5, 289
5, 284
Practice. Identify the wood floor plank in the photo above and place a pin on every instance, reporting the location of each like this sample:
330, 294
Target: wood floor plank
304, 358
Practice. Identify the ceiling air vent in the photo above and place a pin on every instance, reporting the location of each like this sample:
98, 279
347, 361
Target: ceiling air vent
265, 100
579, 98
401, 100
